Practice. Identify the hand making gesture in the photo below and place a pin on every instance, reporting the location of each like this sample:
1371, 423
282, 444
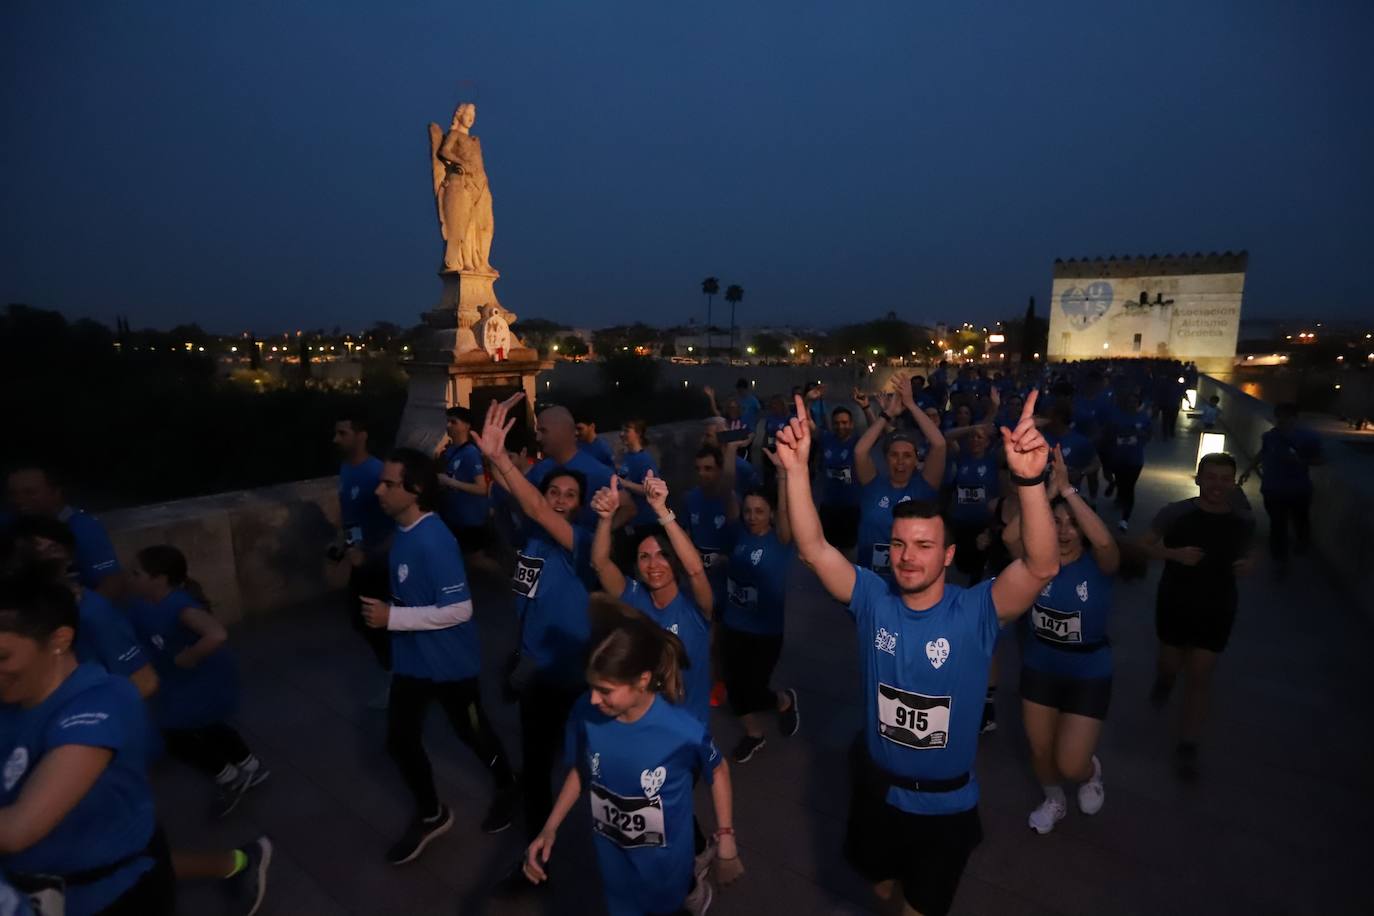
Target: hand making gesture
491, 441
655, 493
1059, 473
792, 449
606, 500
1026, 451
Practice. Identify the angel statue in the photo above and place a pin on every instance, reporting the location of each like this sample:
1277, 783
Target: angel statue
462, 193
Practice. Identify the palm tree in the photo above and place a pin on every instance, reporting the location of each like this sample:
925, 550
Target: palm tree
709, 287
733, 294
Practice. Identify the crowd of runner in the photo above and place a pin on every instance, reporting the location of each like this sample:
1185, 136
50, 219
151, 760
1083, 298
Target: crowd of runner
943, 513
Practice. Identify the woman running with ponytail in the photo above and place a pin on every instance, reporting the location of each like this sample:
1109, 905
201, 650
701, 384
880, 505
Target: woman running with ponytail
639, 757
198, 675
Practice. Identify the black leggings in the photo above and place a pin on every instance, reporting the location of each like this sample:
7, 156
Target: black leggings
1126, 478
747, 661
154, 894
1285, 509
209, 749
543, 717
405, 722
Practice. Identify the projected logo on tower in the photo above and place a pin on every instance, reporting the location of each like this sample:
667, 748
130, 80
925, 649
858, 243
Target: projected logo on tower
1084, 307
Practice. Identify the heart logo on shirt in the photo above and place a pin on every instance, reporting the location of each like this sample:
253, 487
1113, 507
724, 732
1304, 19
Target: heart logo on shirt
401, 572
937, 651
720, 521
16, 767
652, 780
756, 556
353, 493
1082, 591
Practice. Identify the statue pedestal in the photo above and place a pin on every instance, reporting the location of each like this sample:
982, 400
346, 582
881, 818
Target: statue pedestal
450, 367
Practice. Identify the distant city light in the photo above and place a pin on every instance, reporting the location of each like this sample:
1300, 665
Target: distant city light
555, 348
233, 349
997, 338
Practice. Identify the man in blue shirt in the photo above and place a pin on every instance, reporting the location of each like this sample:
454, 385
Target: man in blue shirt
588, 441
839, 501
34, 490
435, 652
924, 651
557, 436
1286, 453
749, 406
364, 530
466, 506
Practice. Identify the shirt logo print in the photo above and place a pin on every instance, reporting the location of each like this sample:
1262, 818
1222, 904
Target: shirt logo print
884, 503
353, 493
886, 642
402, 572
16, 766
756, 556
594, 764
1082, 590
652, 780
937, 651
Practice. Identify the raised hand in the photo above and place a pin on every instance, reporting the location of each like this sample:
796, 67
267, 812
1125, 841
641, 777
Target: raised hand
708, 391
890, 402
902, 384
491, 441
995, 396
606, 500
792, 448
860, 398
1059, 473
1026, 451
655, 492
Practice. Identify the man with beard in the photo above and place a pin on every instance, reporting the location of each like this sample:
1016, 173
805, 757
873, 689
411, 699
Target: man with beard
924, 651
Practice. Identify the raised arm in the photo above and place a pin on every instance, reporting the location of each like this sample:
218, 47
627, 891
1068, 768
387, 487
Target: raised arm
604, 504
864, 470
1016, 588
711, 400
492, 443
934, 469
793, 453
865, 405
656, 494
784, 523
1104, 547
728, 476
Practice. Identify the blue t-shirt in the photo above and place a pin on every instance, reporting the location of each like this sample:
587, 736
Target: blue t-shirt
599, 450
634, 467
746, 478
427, 571
837, 467
639, 778
186, 697
552, 601
771, 424
95, 556
1091, 413
464, 510
1070, 614
1284, 460
596, 474
359, 512
749, 410
1129, 431
1078, 449
682, 617
757, 583
924, 676
973, 485
105, 637
708, 526
114, 819
877, 498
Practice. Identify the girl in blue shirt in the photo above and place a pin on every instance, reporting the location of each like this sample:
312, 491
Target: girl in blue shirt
197, 674
76, 811
1127, 432
1066, 661
639, 754
752, 627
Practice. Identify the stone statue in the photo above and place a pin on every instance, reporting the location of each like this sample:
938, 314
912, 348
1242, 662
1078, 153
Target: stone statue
493, 332
462, 194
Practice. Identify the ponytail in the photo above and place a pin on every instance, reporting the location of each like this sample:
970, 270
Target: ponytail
625, 644
165, 560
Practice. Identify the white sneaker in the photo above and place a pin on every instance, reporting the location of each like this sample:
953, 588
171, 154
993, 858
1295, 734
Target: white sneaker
703, 860
1123, 525
1050, 812
1091, 794
700, 899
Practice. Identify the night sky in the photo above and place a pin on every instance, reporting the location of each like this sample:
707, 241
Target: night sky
264, 164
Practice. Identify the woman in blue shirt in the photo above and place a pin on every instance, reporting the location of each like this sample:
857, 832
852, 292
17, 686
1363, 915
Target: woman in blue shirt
639, 754
634, 464
552, 602
77, 823
971, 484
1127, 432
198, 675
1066, 659
752, 626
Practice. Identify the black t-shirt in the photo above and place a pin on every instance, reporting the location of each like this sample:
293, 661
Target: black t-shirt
1223, 537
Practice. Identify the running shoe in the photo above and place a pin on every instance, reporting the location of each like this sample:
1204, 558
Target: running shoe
502, 810
699, 900
717, 694
249, 887
746, 749
418, 835
789, 720
229, 794
989, 718
1091, 794
701, 864
257, 773
1050, 812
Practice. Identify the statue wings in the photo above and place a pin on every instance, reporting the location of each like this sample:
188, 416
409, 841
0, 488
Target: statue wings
436, 137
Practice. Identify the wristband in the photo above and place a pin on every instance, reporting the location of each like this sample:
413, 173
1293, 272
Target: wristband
724, 831
1026, 481
665, 519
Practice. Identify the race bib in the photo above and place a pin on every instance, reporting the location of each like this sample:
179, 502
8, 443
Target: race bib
882, 557
710, 558
630, 823
743, 595
913, 719
967, 495
525, 582
843, 475
1057, 626
1125, 440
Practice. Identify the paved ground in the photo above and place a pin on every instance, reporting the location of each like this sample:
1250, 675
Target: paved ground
1279, 824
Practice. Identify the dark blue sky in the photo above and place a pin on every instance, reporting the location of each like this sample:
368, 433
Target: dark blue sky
263, 164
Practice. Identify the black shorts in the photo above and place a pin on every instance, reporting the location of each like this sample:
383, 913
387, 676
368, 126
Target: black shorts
1194, 623
841, 525
1080, 696
747, 661
926, 852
